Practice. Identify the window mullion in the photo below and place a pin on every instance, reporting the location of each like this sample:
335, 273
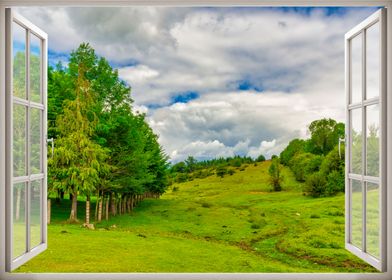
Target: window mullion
364, 185
28, 194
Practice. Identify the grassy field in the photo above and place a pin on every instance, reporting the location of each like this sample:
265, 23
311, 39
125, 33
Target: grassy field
230, 224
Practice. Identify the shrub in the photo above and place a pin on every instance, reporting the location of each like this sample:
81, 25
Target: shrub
221, 171
206, 205
335, 183
316, 184
275, 175
260, 158
231, 172
182, 177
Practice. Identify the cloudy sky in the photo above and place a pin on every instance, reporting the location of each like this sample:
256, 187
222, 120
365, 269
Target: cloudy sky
217, 81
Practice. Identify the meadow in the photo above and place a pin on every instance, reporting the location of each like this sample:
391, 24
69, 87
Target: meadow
230, 224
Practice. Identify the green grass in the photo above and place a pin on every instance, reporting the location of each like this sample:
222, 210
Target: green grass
230, 224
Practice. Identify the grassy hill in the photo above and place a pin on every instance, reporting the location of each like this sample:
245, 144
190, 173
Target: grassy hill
230, 224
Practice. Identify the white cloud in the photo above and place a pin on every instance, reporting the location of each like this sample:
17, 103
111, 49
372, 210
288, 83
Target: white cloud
295, 60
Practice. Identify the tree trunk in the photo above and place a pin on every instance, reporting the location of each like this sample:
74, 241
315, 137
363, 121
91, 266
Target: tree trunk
18, 199
112, 205
100, 209
119, 206
49, 211
107, 208
88, 210
96, 207
73, 217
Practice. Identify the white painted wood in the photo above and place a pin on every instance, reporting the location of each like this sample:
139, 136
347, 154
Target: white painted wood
195, 276
361, 29
12, 263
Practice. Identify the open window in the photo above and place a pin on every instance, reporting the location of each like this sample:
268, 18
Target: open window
26, 148
366, 140
26, 67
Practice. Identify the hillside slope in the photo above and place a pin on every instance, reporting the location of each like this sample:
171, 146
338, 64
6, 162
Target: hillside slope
230, 224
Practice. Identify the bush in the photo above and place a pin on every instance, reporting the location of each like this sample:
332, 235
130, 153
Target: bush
316, 185
206, 205
231, 172
260, 158
221, 171
182, 177
275, 175
335, 183
299, 164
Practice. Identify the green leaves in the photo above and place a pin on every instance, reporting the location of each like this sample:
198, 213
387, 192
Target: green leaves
99, 143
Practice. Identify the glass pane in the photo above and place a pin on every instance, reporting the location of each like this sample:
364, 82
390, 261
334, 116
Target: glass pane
356, 69
35, 68
35, 214
356, 141
356, 213
373, 140
19, 140
373, 219
373, 61
35, 138
19, 220
19, 60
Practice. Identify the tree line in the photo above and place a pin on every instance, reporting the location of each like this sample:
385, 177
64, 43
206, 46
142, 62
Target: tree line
191, 168
102, 148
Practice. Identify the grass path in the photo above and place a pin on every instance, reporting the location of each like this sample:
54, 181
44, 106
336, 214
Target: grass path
234, 224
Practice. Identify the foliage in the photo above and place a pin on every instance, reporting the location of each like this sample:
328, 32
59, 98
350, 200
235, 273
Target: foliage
295, 146
221, 171
325, 134
275, 174
101, 146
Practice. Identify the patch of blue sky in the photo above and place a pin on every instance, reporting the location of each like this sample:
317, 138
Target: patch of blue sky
184, 97
247, 84
124, 63
307, 11
57, 57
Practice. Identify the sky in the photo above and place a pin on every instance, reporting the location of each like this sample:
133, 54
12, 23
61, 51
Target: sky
217, 82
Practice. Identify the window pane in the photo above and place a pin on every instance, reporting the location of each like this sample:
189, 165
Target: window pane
35, 214
356, 213
35, 138
373, 220
19, 220
35, 68
356, 141
19, 60
19, 140
356, 69
373, 61
373, 140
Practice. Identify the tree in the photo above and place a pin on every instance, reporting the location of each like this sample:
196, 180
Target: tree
294, 147
276, 177
260, 158
190, 163
78, 160
325, 134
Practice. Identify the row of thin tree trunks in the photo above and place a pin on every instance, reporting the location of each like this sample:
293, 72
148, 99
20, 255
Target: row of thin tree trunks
107, 205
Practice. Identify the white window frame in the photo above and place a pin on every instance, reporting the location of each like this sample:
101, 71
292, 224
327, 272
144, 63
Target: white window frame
177, 3
380, 18
31, 30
